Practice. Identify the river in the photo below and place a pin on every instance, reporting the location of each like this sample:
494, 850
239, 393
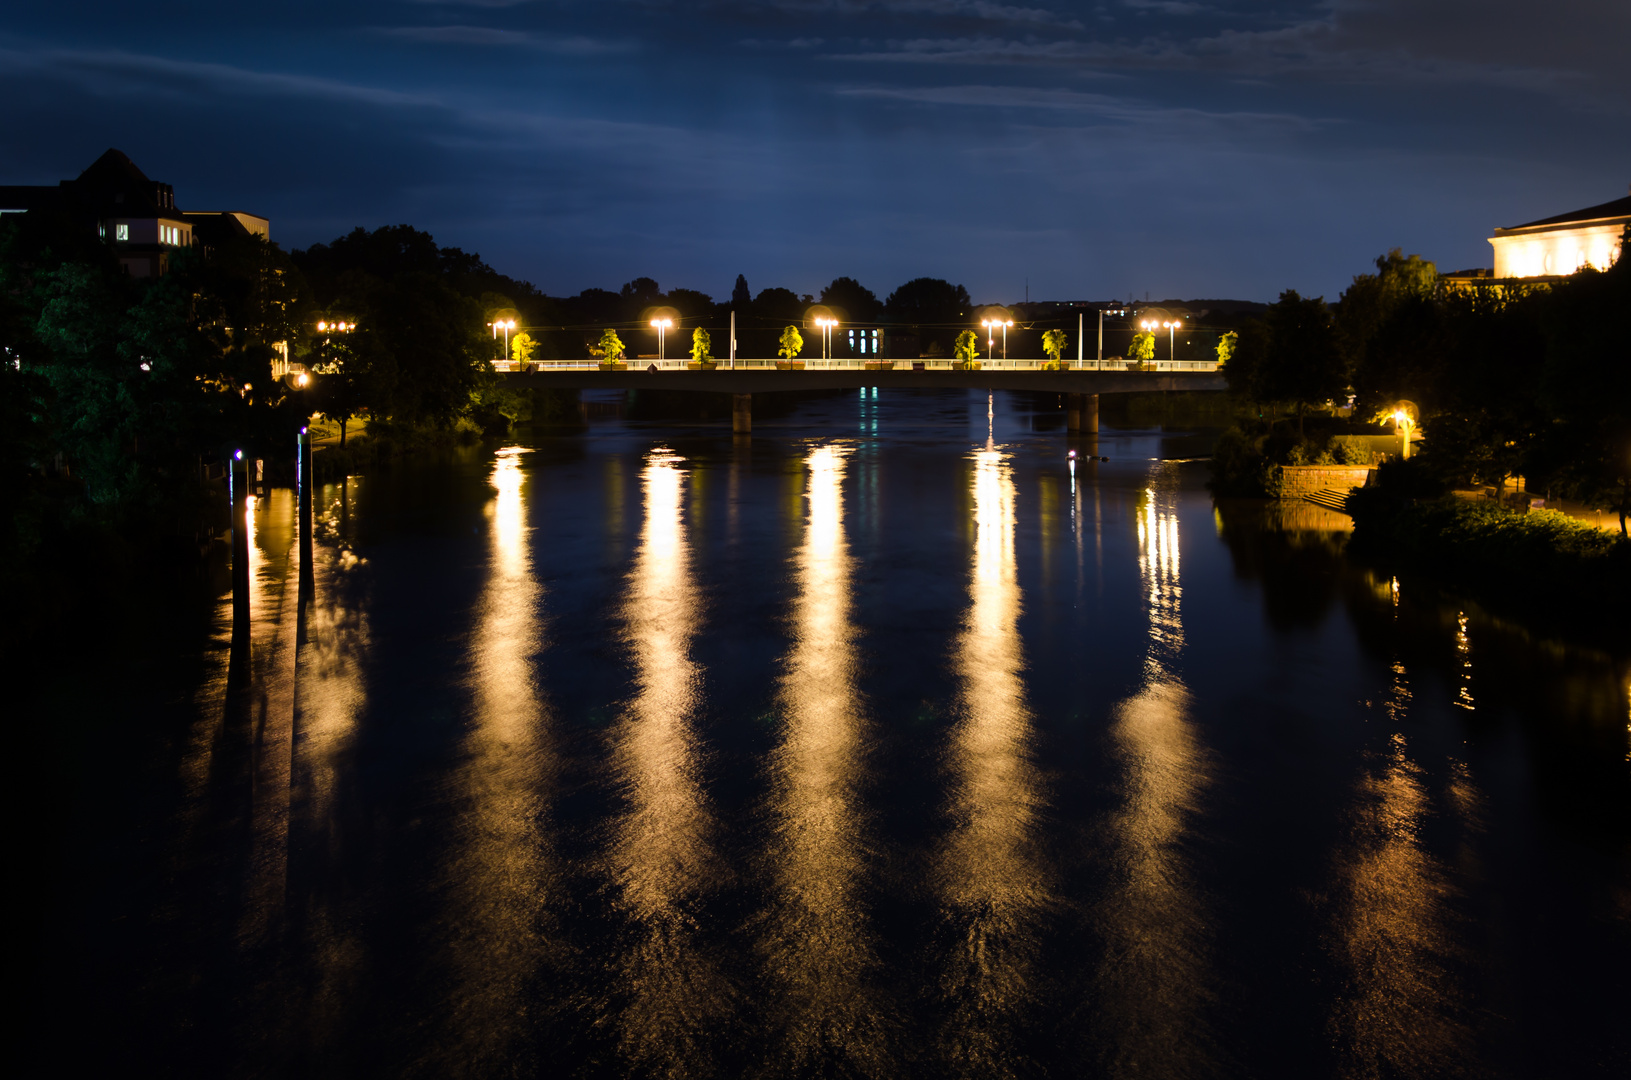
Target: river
890, 741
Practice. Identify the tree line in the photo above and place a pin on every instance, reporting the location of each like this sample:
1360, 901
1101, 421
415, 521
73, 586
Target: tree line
1503, 379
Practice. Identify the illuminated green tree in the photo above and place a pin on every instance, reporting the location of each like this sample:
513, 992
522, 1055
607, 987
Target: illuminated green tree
1226, 347
611, 346
967, 347
1143, 347
1053, 343
701, 344
792, 343
522, 348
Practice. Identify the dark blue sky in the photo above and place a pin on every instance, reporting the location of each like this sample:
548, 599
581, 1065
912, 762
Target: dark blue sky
1184, 149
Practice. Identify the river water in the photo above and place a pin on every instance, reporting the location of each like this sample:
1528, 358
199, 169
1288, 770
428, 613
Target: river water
890, 741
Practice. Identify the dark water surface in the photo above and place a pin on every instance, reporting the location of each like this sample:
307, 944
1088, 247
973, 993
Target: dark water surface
884, 743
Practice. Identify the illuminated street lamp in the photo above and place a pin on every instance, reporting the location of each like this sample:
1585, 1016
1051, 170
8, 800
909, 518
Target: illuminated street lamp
661, 325
1171, 326
505, 325
990, 335
825, 325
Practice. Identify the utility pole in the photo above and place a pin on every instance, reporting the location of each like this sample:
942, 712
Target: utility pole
733, 339
1079, 327
1101, 338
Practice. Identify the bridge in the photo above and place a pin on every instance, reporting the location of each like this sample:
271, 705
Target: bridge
1081, 381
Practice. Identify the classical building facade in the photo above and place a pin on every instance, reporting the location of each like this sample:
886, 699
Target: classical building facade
137, 216
1561, 245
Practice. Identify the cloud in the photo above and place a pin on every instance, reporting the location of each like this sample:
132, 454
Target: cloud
1099, 106
486, 35
114, 70
984, 50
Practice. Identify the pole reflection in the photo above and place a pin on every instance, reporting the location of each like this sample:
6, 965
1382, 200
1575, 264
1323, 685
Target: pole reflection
1155, 978
661, 861
818, 948
501, 870
989, 874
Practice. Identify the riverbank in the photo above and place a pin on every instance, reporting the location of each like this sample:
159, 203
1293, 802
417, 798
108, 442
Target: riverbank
1542, 566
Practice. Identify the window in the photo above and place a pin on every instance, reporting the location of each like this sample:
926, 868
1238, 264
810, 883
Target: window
121, 232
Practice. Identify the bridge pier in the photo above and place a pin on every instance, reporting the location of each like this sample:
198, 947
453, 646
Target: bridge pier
1082, 413
741, 413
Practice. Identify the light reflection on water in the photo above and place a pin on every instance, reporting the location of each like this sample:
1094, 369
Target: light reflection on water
1155, 980
662, 861
818, 948
989, 876
674, 809
501, 872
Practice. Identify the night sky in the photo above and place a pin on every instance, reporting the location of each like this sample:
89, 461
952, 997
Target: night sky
1181, 149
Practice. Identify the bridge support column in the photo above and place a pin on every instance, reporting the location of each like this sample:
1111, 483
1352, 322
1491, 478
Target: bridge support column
741, 413
1082, 414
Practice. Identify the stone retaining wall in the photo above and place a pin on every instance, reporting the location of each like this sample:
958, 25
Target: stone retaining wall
1297, 481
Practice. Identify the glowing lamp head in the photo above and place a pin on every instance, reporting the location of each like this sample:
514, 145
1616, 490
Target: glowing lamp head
322, 326
239, 454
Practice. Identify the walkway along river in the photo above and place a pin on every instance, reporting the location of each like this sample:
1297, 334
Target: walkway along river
890, 740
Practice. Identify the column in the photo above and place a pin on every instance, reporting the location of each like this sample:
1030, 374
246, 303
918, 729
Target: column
741, 413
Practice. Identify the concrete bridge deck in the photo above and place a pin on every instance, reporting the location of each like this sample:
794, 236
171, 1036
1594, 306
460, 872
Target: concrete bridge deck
761, 378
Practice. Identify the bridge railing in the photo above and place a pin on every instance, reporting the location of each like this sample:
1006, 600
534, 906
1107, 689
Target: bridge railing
858, 364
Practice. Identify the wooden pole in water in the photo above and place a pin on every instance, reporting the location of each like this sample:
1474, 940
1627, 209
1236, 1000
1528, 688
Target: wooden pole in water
238, 488
303, 471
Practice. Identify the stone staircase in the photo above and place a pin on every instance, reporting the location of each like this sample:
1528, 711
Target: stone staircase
1330, 498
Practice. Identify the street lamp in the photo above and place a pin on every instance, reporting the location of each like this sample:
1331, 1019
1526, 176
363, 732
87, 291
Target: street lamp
1005, 327
1172, 344
505, 325
990, 336
825, 325
661, 325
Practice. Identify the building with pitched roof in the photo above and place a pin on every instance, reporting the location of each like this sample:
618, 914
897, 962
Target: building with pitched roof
1564, 243
137, 216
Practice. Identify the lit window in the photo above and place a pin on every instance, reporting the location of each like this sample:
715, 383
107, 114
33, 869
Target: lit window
121, 232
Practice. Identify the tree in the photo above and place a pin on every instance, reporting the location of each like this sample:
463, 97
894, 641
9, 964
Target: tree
1142, 348
1303, 362
522, 348
700, 345
1226, 347
853, 301
740, 296
611, 346
967, 346
792, 343
1053, 343
778, 304
935, 307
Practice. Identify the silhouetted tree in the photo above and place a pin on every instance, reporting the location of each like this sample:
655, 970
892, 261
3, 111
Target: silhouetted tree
853, 301
740, 296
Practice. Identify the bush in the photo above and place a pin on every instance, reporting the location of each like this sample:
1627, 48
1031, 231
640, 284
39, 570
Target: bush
1543, 563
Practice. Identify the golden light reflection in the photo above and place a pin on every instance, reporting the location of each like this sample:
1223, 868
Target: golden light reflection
1156, 976
661, 859
989, 876
818, 948
1463, 648
1392, 934
273, 607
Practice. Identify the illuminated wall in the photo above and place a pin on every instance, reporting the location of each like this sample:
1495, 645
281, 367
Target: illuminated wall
1521, 254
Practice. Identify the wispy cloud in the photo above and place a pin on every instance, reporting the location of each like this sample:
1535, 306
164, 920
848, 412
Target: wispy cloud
114, 69
1107, 107
491, 36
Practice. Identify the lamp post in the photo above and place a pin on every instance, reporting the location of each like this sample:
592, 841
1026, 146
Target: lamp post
1172, 345
1005, 327
661, 325
1402, 419
990, 336
505, 325
825, 325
